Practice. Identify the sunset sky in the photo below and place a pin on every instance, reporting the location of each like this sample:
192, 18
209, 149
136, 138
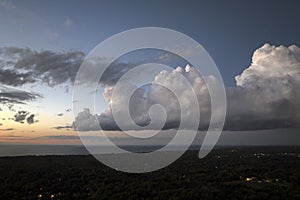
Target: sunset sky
255, 45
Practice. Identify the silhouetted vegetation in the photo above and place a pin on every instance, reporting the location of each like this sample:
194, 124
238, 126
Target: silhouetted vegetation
231, 173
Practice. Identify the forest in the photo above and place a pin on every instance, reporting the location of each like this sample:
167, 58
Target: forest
226, 173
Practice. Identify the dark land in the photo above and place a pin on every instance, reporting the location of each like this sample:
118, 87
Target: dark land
228, 173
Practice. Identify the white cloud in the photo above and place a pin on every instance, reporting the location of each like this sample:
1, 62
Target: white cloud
266, 95
85, 121
140, 104
68, 22
267, 91
270, 62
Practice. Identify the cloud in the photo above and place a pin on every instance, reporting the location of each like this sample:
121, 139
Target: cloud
67, 127
21, 66
13, 78
24, 66
85, 121
10, 96
114, 72
111, 74
15, 94
265, 96
21, 115
30, 119
7, 5
7, 129
166, 57
68, 22
139, 104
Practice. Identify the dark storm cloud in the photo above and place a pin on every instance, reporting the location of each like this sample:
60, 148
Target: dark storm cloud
50, 67
20, 116
114, 72
30, 119
118, 68
19, 95
23, 115
10, 96
24, 66
9, 102
86, 121
253, 109
13, 78
67, 127
267, 94
109, 77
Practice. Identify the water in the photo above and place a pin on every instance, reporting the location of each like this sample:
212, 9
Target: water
24, 150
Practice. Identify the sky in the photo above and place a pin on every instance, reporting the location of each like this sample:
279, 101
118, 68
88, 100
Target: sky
43, 43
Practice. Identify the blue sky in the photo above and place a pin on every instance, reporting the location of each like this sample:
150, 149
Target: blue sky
229, 30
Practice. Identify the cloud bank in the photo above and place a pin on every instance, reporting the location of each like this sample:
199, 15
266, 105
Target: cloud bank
265, 96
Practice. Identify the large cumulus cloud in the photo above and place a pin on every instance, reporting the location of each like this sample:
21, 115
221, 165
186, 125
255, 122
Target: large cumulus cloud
13, 78
162, 92
267, 92
265, 96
